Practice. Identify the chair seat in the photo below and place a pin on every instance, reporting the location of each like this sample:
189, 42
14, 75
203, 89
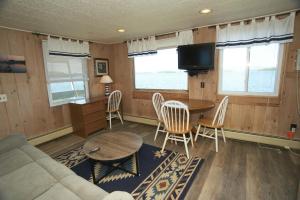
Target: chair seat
180, 132
160, 120
208, 123
112, 111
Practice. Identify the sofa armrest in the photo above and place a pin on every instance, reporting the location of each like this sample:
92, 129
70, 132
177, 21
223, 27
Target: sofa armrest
118, 195
12, 141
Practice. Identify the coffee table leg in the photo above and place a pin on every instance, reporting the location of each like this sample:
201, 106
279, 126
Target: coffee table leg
137, 163
92, 164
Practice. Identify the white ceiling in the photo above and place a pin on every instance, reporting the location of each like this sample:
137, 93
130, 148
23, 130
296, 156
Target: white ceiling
98, 20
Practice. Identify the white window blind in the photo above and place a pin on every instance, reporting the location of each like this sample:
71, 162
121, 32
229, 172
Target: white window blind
66, 78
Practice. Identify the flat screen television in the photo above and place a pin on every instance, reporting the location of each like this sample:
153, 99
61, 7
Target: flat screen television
196, 57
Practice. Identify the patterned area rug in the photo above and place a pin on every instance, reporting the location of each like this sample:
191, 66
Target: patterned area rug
166, 175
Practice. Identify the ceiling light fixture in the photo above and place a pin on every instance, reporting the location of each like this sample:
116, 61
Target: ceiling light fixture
121, 30
205, 11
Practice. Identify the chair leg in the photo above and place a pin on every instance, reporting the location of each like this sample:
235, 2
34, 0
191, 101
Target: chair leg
110, 120
158, 126
197, 133
191, 138
120, 117
165, 142
222, 130
186, 147
216, 139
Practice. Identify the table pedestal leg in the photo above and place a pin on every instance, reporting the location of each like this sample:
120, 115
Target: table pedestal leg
137, 163
92, 164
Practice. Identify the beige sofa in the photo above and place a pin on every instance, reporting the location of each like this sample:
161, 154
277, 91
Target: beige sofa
28, 173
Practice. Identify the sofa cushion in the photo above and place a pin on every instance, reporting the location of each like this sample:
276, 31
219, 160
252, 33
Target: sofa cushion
13, 160
83, 188
58, 192
118, 195
11, 142
26, 182
28, 173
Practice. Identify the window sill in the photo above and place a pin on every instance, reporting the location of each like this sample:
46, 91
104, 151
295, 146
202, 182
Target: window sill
168, 94
252, 100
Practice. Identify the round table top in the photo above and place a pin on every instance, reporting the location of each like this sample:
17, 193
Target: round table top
112, 146
199, 105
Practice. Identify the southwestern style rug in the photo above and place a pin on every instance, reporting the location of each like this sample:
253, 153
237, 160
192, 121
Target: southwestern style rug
166, 175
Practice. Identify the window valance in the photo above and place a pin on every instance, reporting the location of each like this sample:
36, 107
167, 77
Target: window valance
142, 47
150, 45
269, 30
60, 47
185, 37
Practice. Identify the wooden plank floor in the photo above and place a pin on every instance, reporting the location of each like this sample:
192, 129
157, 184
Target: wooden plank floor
240, 170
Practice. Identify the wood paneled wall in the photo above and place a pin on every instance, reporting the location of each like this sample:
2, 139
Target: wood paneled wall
27, 109
266, 116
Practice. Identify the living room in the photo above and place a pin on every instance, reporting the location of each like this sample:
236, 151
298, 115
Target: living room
78, 77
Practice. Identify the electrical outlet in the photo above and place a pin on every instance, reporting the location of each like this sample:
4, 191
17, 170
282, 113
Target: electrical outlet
202, 84
3, 98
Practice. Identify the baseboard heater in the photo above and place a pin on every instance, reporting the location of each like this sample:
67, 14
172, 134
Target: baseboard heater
51, 136
238, 135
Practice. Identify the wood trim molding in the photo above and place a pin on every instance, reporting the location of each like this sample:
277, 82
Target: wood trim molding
252, 100
141, 120
262, 139
238, 135
51, 136
147, 94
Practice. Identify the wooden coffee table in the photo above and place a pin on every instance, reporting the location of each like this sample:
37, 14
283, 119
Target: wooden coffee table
113, 149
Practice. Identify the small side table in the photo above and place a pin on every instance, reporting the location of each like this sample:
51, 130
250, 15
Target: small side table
110, 148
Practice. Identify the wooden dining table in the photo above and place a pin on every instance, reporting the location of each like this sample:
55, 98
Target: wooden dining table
199, 105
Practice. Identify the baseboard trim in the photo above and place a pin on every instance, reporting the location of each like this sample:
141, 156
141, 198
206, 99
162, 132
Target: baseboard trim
141, 120
233, 134
51, 136
262, 139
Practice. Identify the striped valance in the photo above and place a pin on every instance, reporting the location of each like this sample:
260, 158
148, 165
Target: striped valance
150, 45
142, 46
60, 47
269, 30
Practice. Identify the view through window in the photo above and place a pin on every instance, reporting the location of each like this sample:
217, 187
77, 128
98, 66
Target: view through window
250, 70
159, 71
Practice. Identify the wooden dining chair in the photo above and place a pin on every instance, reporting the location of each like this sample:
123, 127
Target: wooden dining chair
113, 106
157, 100
216, 123
176, 117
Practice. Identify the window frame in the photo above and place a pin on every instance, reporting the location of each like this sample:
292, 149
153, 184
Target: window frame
48, 82
246, 93
156, 90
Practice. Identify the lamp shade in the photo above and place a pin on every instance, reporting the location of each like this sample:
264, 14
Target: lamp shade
106, 79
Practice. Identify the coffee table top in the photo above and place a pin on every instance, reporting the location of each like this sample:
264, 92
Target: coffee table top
112, 145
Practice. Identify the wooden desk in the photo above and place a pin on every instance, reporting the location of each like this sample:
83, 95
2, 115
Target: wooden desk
198, 105
88, 116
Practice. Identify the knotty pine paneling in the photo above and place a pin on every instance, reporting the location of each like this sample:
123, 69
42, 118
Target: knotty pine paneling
266, 116
27, 109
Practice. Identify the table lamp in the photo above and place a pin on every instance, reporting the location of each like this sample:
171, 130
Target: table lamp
106, 80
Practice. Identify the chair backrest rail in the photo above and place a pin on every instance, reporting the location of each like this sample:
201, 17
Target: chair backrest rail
114, 101
221, 111
157, 100
175, 115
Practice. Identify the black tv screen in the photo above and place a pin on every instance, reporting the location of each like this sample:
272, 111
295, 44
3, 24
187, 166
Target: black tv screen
196, 56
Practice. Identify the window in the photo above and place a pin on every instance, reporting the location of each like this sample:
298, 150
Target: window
250, 70
159, 71
66, 79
